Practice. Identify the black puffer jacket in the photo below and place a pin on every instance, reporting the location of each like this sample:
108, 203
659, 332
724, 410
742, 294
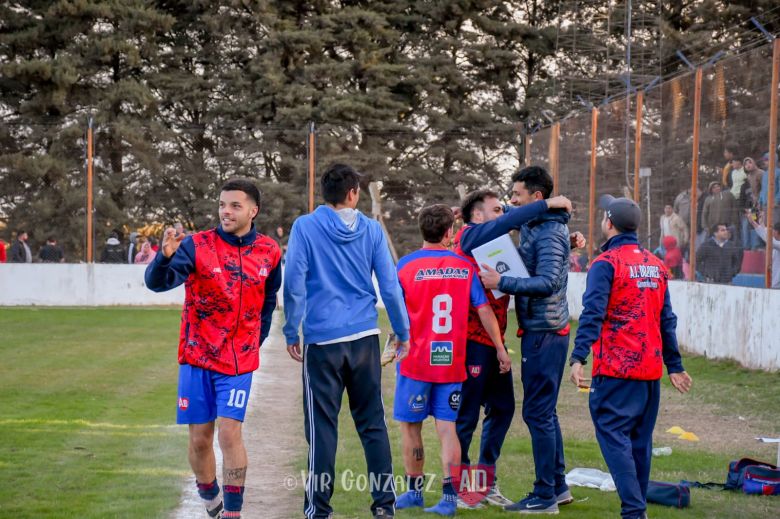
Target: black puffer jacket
540, 300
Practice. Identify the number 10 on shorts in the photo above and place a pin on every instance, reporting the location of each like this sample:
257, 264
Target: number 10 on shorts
237, 398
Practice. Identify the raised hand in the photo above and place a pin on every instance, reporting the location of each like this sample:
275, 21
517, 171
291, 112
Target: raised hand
171, 242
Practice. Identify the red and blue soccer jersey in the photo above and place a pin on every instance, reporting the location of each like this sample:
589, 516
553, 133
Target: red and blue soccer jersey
438, 287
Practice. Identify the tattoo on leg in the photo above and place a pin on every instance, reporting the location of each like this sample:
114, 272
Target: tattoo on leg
419, 453
236, 475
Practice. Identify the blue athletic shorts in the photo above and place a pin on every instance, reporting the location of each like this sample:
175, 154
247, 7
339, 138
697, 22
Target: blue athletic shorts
204, 395
416, 400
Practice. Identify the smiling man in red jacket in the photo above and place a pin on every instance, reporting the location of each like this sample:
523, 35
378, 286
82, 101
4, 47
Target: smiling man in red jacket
231, 276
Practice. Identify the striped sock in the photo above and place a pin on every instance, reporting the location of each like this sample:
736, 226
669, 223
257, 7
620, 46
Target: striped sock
209, 493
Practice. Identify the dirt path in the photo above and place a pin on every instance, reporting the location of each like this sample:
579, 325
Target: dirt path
273, 435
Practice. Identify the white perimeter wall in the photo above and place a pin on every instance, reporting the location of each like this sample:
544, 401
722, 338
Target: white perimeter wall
79, 284
720, 322
713, 320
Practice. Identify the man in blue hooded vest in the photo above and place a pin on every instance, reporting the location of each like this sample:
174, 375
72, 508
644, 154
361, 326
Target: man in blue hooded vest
543, 321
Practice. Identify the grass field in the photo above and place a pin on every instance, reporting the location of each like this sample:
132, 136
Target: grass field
721, 388
87, 406
87, 399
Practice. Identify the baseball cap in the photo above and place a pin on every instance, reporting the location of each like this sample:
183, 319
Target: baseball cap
623, 212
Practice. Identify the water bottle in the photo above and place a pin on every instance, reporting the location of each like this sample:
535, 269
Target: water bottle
662, 451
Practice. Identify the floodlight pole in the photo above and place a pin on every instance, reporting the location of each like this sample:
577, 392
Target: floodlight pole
594, 125
555, 139
312, 155
640, 100
90, 258
770, 198
695, 174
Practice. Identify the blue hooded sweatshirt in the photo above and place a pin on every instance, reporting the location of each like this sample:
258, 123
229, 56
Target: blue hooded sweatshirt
328, 283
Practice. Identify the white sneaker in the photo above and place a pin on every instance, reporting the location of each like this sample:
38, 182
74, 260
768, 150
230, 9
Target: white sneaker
496, 498
465, 506
389, 353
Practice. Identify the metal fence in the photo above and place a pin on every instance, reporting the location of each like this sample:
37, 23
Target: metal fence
694, 152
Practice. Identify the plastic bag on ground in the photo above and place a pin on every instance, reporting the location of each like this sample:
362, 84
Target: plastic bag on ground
590, 478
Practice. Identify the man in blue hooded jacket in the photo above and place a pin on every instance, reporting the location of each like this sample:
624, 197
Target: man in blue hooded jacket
331, 256
543, 317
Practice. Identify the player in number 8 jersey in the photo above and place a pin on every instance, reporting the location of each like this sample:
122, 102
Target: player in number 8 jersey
438, 287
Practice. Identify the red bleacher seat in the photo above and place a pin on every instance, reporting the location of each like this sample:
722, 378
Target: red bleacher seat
753, 262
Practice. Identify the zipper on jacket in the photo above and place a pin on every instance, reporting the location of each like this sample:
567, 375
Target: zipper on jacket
240, 296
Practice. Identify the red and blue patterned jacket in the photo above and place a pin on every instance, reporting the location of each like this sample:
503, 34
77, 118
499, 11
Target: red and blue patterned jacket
230, 286
627, 316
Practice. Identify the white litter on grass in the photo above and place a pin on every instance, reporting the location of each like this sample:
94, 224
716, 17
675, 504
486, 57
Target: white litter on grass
590, 478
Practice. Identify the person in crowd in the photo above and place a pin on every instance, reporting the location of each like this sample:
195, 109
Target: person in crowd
673, 257
761, 230
628, 321
736, 177
20, 250
132, 247
154, 243
718, 259
145, 255
730, 154
720, 207
51, 252
682, 206
673, 225
3, 252
748, 203
113, 251
762, 198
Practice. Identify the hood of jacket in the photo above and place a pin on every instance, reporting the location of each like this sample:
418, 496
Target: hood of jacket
556, 215
331, 225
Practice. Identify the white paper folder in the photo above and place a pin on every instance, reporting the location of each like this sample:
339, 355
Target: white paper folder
501, 255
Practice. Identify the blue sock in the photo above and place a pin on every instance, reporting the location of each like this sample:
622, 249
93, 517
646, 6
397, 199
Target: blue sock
448, 490
208, 491
415, 483
234, 498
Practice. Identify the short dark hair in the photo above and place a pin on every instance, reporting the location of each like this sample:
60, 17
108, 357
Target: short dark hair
435, 220
535, 179
717, 226
245, 185
51, 238
473, 200
776, 227
337, 181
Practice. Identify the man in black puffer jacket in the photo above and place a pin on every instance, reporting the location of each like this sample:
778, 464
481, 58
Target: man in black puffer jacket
543, 318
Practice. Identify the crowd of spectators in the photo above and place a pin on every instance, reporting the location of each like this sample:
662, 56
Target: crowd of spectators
730, 221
